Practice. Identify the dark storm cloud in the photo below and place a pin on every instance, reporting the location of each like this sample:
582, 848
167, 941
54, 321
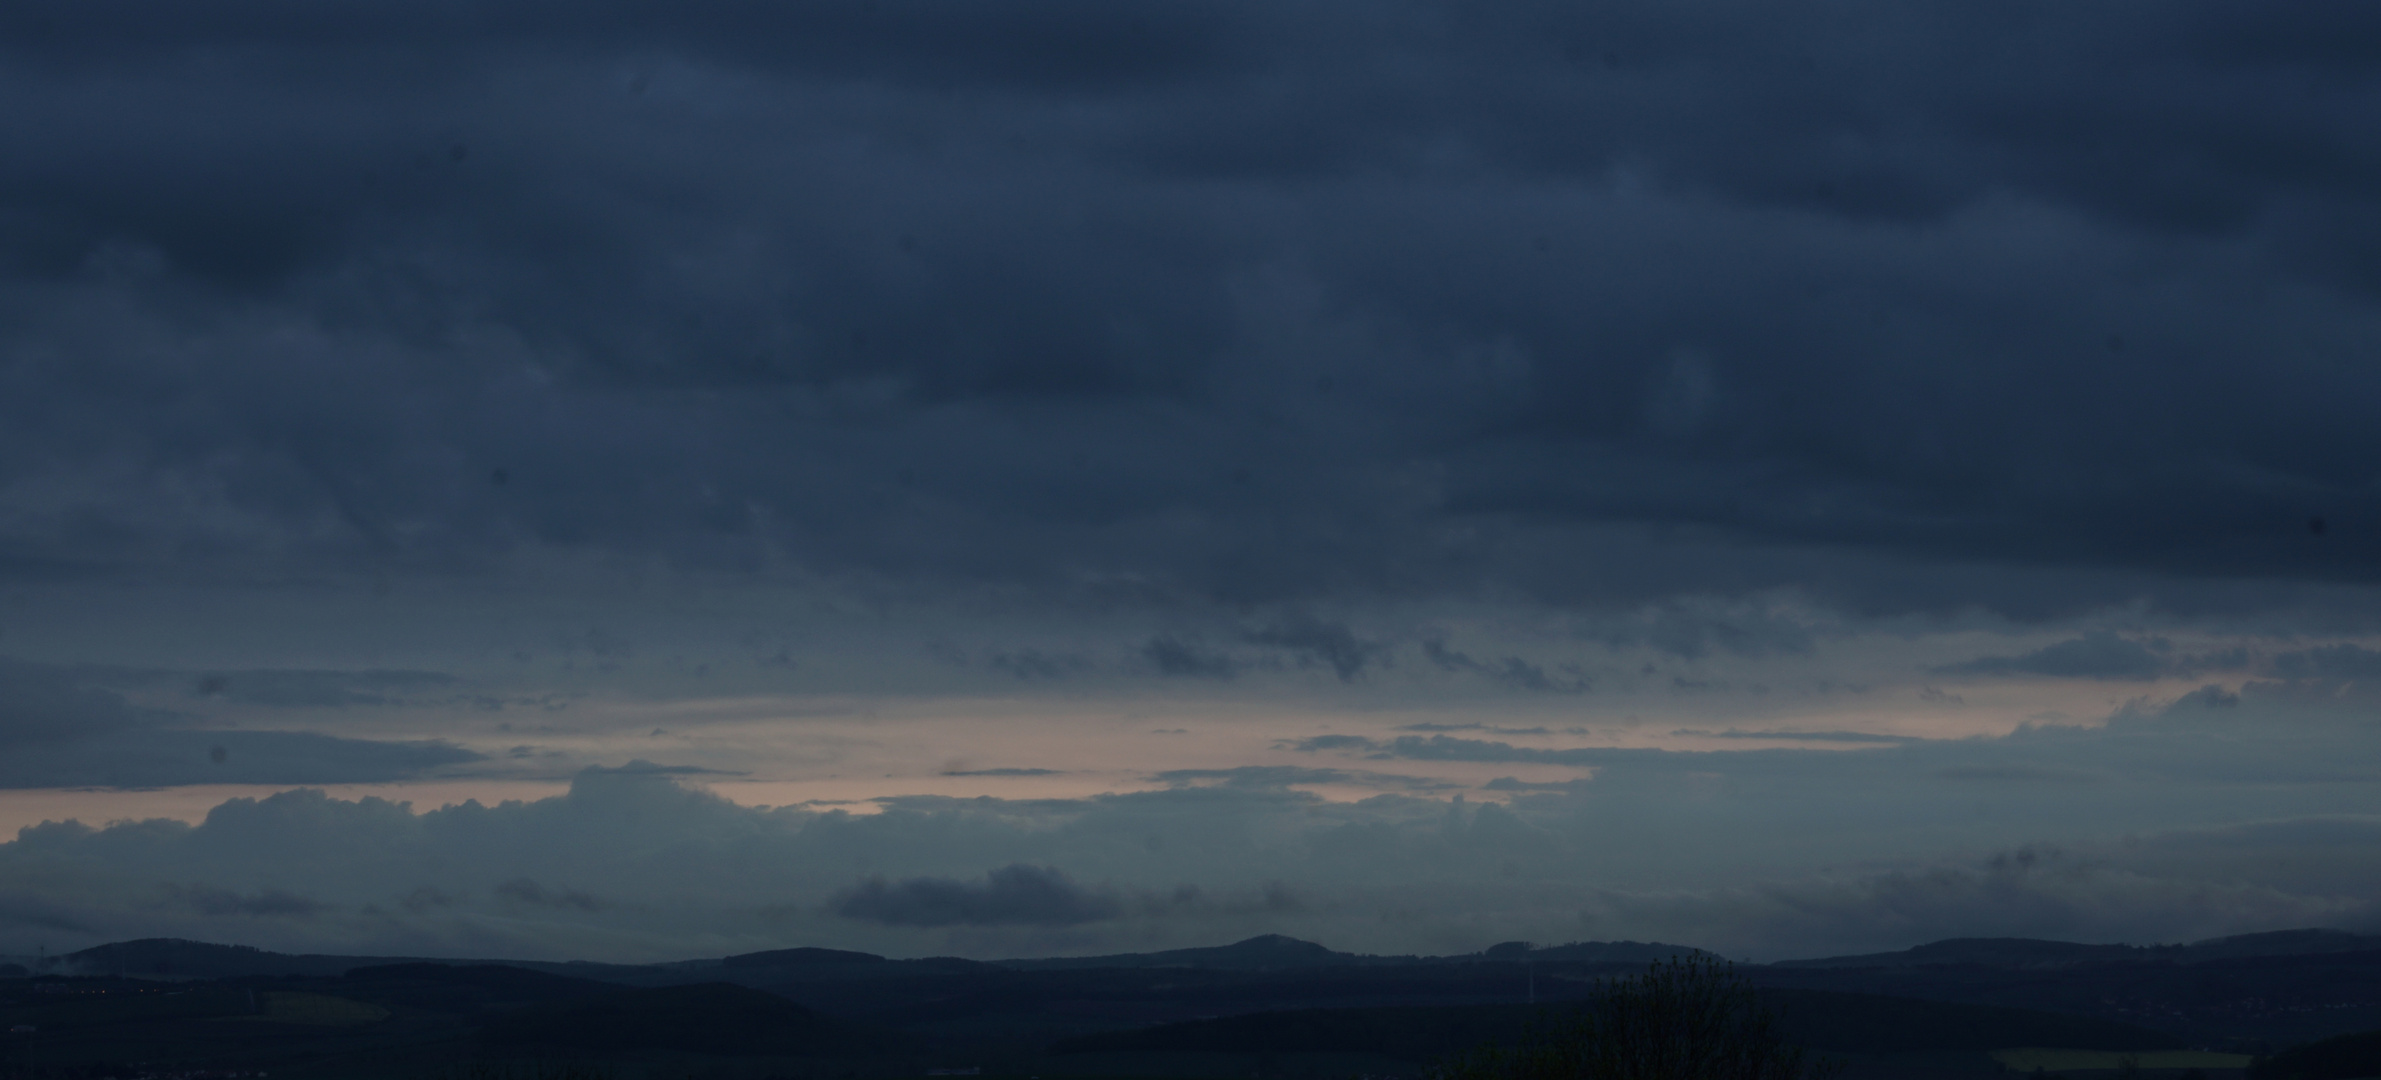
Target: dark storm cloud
2047, 304
2336, 662
2092, 656
61, 727
1032, 664
1314, 641
47, 705
167, 757
302, 689
1012, 895
2103, 655
1171, 655
322, 688
1512, 669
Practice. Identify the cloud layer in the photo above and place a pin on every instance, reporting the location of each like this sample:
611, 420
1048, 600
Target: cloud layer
61, 727
1241, 301
1743, 437
2164, 823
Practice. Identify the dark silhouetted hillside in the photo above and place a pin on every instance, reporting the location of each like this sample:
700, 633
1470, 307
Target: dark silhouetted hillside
1604, 952
1274, 952
174, 958
704, 1018
2011, 953
462, 989
1850, 1023
1410, 1033
2253, 993
2342, 1058
1875, 1024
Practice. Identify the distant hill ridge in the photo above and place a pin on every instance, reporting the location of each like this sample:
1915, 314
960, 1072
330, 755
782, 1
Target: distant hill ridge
1274, 951
802, 957
1264, 952
174, 958
2032, 954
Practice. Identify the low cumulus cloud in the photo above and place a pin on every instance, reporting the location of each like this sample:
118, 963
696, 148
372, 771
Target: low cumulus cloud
525, 891
25, 911
1491, 729
1450, 748
1281, 776
1017, 895
2311, 731
1855, 737
262, 904
2163, 819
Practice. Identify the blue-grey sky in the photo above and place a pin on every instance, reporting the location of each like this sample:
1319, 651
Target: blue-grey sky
937, 476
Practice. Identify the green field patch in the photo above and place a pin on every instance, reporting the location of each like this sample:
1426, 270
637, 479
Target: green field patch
2055, 1059
313, 1010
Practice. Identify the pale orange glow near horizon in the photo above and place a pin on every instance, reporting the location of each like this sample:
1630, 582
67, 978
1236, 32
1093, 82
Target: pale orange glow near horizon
845, 754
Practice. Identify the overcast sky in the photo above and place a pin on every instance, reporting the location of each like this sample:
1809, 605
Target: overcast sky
640, 481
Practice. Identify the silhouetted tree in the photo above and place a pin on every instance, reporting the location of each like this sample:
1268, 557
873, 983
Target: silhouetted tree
1684, 1019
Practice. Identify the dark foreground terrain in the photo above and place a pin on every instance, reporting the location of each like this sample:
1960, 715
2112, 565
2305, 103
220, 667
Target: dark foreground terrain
1269, 1007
